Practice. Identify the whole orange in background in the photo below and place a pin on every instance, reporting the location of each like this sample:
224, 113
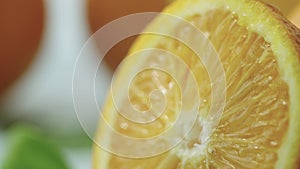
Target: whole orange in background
21, 25
101, 12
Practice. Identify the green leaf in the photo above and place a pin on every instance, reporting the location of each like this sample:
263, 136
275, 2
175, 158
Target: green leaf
31, 149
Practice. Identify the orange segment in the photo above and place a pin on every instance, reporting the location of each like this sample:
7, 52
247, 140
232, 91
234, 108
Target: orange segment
259, 51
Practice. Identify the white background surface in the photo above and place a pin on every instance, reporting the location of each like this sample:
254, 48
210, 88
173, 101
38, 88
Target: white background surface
44, 93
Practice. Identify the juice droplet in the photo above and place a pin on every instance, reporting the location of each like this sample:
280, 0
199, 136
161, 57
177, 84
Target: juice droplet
274, 143
124, 125
270, 78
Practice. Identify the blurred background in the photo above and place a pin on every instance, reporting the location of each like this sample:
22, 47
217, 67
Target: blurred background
40, 41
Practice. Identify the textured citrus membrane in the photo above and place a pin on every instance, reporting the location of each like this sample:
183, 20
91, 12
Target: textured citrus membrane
152, 123
256, 112
149, 118
255, 117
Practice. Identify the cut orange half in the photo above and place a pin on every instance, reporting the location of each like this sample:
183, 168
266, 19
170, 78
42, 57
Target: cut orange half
259, 56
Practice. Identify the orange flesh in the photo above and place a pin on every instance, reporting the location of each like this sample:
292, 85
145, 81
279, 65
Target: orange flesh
255, 118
